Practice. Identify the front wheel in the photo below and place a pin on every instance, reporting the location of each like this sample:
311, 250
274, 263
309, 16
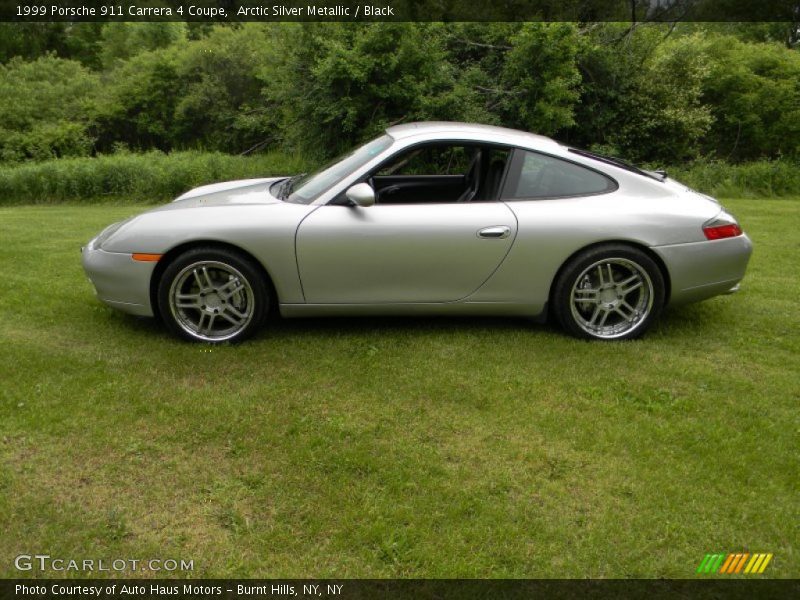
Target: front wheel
212, 295
610, 292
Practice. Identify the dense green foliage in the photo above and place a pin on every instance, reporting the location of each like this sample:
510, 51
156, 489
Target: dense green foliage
641, 96
752, 179
753, 91
650, 92
47, 108
335, 84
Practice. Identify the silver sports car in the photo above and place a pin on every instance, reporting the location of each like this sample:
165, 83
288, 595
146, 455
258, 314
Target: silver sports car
429, 218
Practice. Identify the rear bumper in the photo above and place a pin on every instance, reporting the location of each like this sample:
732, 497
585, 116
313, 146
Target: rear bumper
706, 269
118, 280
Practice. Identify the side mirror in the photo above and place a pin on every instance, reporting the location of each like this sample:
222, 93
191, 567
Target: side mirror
361, 194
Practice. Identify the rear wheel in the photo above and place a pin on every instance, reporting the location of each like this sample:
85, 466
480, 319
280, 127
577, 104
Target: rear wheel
610, 292
212, 295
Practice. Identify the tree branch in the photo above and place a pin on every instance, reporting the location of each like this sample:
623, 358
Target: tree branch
487, 90
480, 45
258, 146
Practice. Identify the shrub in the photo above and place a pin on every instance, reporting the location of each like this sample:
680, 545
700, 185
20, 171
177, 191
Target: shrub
150, 177
746, 180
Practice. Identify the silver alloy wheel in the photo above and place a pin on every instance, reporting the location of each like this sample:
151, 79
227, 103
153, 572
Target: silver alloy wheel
611, 298
211, 301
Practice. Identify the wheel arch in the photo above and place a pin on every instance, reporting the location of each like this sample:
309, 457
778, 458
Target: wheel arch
176, 251
638, 245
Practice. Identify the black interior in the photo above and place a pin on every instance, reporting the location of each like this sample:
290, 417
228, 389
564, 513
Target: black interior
494, 178
408, 189
480, 181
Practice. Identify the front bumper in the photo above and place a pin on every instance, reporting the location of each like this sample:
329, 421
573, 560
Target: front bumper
702, 270
118, 280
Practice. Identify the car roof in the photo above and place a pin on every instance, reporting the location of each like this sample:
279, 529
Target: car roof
454, 130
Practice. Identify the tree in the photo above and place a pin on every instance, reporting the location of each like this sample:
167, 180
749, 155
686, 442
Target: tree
204, 94
753, 91
642, 93
220, 105
518, 75
338, 83
124, 40
47, 108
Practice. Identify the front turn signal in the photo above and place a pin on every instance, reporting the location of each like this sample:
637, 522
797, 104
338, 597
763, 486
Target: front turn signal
143, 257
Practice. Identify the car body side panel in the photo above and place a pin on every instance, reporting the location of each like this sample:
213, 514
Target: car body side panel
267, 231
399, 253
550, 231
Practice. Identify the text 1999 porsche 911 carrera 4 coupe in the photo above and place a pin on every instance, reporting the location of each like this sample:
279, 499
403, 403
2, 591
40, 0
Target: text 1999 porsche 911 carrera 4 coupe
429, 218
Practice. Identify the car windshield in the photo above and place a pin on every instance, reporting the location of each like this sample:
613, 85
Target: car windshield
308, 187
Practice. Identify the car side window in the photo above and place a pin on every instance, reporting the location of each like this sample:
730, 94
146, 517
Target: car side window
431, 160
441, 173
537, 175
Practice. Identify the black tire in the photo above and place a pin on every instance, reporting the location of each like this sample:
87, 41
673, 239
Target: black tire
213, 295
609, 292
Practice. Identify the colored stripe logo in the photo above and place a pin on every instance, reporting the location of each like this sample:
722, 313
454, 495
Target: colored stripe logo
729, 564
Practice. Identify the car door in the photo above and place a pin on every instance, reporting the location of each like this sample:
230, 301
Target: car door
401, 253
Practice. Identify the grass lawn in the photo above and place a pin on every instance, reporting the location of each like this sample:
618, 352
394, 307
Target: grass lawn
397, 447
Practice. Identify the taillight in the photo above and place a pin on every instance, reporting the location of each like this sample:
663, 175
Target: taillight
722, 231
722, 226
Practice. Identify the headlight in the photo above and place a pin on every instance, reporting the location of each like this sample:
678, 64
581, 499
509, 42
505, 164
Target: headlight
106, 233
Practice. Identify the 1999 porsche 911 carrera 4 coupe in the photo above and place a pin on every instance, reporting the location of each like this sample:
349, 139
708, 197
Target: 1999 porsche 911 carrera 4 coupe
429, 218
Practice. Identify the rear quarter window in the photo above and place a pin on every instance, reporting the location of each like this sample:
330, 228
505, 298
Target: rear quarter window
535, 175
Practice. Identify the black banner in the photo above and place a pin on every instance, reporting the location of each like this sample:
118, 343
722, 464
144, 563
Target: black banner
400, 10
394, 589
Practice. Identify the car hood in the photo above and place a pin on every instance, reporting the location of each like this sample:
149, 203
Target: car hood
242, 191
242, 212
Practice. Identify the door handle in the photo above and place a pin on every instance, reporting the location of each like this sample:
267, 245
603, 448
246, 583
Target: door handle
496, 232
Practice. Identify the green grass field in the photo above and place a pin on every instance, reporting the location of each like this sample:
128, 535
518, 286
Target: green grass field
397, 447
